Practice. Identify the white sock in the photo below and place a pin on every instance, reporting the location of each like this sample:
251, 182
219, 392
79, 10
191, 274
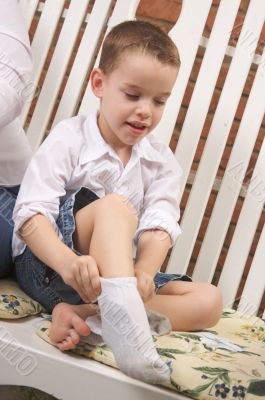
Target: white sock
126, 331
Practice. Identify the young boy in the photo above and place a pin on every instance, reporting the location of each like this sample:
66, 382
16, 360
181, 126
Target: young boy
66, 237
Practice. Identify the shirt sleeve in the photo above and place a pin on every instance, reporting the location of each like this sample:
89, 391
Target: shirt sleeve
160, 206
15, 79
10, 105
46, 178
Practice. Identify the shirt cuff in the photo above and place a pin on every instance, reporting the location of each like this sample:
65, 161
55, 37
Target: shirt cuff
157, 219
24, 214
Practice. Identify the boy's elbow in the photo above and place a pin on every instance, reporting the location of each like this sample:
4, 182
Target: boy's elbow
29, 226
160, 236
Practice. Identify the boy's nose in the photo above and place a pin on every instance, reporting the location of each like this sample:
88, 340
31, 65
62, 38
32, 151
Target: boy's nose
144, 109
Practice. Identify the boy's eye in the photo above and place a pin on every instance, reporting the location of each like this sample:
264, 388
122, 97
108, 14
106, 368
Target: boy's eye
132, 96
160, 102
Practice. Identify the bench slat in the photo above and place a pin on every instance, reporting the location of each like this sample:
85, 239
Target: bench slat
244, 233
47, 25
83, 60
255, 284
186, 34
57, 68
231, 182
216, 141
209, 71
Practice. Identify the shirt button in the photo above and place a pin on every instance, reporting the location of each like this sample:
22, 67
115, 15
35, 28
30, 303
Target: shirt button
46, 279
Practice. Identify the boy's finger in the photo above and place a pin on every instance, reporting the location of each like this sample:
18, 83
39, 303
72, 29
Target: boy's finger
90, 293
94, 278
81, 289
84, 280
95, 282
83, 295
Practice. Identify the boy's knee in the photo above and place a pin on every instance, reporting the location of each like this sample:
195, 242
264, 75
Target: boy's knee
121, 204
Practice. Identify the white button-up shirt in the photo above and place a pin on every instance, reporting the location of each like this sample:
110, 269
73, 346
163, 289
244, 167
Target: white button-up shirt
75, 155
15, 68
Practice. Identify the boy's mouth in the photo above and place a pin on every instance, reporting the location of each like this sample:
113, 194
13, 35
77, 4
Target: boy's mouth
137, 127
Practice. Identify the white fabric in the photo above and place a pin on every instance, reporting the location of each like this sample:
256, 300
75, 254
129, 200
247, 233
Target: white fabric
126, 331
159, 325
75, 155
12, 22
15, 68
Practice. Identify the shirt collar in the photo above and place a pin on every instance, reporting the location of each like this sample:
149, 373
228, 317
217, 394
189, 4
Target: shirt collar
148, 149
96, 146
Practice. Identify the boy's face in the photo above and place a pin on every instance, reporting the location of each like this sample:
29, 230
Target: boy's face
133, 98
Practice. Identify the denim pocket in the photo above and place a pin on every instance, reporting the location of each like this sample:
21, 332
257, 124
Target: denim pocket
30, 273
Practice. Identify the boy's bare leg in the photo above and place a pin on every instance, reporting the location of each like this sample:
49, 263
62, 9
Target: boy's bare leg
189, 306
104, 230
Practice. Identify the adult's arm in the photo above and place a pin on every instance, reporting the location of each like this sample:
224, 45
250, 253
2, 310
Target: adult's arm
15, 68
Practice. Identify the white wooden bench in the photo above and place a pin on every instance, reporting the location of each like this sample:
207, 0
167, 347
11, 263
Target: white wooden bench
69, 377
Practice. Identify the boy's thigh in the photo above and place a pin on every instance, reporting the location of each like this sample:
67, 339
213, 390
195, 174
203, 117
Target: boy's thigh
181, 287
84, 226
75, 219
83, 211
7, 203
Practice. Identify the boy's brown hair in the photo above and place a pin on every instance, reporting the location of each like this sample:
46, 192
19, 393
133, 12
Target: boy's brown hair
137, 36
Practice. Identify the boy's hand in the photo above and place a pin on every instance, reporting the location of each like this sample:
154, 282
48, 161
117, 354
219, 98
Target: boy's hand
82, 274
145, 284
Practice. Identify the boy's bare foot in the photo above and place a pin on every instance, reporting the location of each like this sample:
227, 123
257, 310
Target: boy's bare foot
68, 324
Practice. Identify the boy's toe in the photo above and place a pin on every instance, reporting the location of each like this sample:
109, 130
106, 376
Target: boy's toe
74, 336
66, 344
80, 326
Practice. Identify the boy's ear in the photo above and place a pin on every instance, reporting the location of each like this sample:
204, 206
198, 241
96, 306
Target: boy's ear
97, 80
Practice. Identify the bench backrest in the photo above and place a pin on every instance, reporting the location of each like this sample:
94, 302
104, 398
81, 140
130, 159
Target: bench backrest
230, 252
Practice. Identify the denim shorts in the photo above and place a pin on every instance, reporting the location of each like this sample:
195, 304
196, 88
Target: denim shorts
45, 285
8, 197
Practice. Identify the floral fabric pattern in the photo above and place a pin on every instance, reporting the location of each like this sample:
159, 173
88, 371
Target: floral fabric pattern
224, 362
14, 303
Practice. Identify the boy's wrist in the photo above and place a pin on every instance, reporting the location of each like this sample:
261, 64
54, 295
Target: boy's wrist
62, 260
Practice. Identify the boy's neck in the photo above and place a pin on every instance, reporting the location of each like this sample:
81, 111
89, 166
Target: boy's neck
124, 154
122, 150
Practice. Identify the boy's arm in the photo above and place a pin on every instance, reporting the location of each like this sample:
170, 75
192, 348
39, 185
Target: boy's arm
39, 235
47, 181
158, 228
80, 272
152, 249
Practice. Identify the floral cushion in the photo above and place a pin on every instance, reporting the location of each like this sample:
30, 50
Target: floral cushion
224, 362
14, 303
